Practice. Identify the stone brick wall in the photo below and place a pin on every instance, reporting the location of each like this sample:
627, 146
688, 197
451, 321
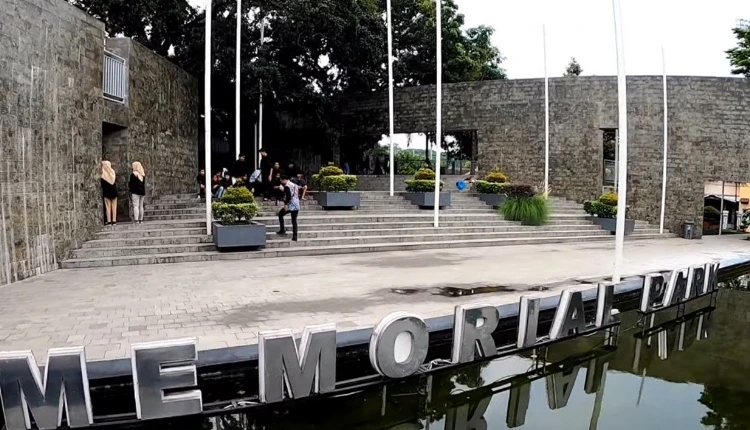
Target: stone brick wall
709, 121
52, 116
50, 133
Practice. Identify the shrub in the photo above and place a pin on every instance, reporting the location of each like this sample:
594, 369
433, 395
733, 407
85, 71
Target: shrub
711, 212
529, 210
407, 163
485, 187
237, 206
422, 185
519, 190
330, 171
609, 199
496, 176
425, 174
338, 183
599, 209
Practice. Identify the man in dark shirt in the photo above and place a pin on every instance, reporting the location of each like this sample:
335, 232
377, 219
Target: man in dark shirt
276, 191
301, 184
265, 173
241, 167
201, 179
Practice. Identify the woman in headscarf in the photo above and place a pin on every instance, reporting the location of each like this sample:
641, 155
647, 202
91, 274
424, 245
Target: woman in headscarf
109, 191
137, 187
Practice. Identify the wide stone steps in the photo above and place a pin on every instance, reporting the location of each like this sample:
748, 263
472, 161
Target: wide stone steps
429, 229
145, 231
329, 250
89, 253
148, 241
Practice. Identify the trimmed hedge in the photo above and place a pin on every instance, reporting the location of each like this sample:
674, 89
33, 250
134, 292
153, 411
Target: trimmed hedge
599, 209
330, 171
425, 174
497, 177
422, 185
609, 199
486, 187
519, 191
237, 206
337, 183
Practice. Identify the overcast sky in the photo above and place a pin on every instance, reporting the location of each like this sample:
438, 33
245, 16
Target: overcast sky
695, 34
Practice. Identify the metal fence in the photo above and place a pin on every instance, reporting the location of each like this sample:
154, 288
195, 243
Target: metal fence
115, 84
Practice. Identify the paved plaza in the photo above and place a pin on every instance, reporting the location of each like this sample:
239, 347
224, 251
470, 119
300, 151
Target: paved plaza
225, 303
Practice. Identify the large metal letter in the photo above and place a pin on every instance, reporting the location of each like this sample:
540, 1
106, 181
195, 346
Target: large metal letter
161, 366
604, 299
528, 320
652, 294
473, 326
559, 387
679, 285
711, 279
518, 404
697, 281
569, 315
312, 369
398, 345
65, 387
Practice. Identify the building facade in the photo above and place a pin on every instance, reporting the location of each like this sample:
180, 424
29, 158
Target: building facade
708, 125
69, 98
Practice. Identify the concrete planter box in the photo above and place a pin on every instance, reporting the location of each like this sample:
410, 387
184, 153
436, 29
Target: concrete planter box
494, 200
610, 224
239, 236
338, 200
427, 200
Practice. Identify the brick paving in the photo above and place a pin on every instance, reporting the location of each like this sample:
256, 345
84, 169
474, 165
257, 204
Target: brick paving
226, 303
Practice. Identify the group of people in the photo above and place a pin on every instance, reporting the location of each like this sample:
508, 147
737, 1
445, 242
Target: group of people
269, 181
136, 188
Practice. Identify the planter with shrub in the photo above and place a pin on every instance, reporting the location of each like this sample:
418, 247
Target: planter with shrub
492, 190
525, 205
233, 226
421, 190
336, 189
603, 212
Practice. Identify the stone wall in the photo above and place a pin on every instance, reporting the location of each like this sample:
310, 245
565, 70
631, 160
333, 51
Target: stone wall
54, 124
709, 120
50, 133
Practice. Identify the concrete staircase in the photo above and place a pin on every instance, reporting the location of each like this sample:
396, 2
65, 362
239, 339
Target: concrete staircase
174, 231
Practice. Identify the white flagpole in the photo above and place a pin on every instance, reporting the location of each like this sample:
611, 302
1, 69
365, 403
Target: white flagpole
260, 84
622, 170
255, 146
390, 90
207, 114
664, 167
237, 82
546, 118
439, 105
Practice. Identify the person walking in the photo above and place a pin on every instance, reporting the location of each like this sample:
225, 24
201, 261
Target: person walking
291, 206
109, 192
137, 187
265, 173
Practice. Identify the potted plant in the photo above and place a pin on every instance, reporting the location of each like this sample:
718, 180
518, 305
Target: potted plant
603, 212
525, 205
336, 189
233, 227
492, 190
421, 190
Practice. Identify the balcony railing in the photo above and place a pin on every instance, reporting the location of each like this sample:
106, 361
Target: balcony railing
115, 84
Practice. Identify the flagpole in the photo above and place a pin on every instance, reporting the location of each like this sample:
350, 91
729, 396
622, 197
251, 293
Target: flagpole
546, 117
237, 82
622, 168
260, 84
390, 90
439, 105
207, 114
664, 167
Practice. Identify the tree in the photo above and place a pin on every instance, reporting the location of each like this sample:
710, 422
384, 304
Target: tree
573, 69
739, 56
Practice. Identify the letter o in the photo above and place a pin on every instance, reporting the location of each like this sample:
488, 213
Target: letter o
389, 339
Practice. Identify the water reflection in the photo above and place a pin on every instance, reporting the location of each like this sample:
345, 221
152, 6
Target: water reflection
685, 369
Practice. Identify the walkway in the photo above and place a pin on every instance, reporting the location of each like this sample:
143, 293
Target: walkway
225, 303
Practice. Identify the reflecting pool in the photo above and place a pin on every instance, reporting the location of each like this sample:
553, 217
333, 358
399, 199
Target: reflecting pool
688, 369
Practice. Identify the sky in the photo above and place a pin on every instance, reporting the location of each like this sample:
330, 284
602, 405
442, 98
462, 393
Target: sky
694, 33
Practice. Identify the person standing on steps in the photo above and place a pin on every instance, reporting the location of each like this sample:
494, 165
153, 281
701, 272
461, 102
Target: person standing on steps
137, 187
265, 173
201, 179
109, 192
291, 206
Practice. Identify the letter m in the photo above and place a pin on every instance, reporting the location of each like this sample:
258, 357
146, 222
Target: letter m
282, 367
24, 394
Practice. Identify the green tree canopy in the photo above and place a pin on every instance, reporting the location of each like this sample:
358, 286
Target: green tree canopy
739, 56
573, 69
